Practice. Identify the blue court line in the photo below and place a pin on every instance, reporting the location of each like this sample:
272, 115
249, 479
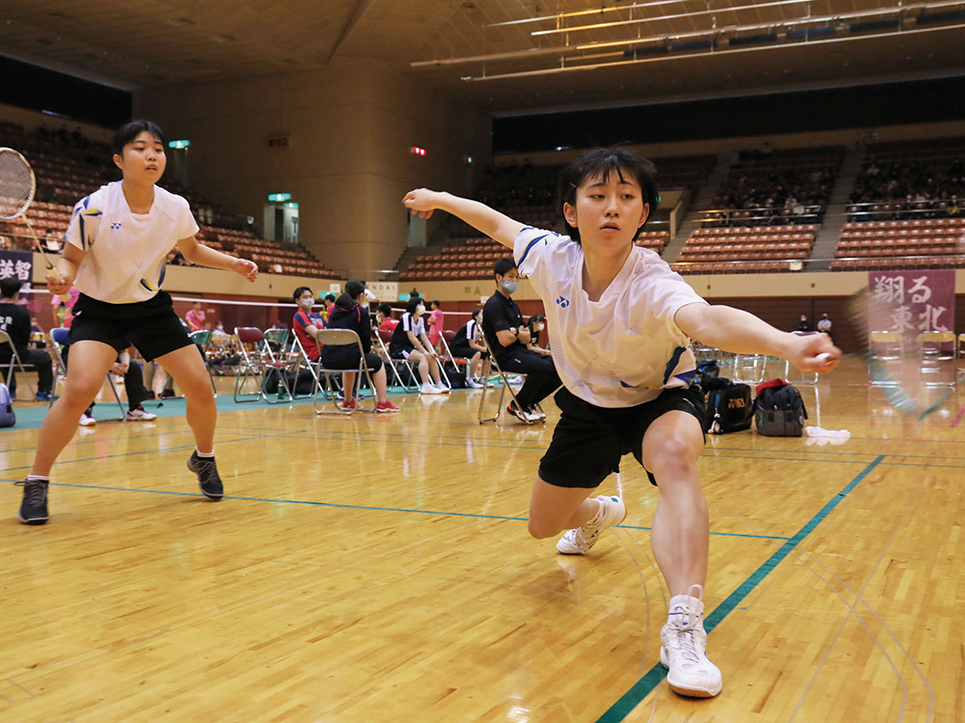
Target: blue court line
643, 687
358, 507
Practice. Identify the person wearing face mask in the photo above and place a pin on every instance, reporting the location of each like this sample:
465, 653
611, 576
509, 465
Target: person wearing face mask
537, 324
306, 322
409, 342
351, 312
508, 337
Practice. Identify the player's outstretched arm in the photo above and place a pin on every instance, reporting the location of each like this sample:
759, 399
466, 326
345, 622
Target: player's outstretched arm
737, 331
494, 224
205, 256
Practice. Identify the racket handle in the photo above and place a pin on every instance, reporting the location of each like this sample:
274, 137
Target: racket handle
825, 358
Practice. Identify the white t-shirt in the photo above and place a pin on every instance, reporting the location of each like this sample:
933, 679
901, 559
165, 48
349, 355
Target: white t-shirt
126, 252
625, 348
410, 323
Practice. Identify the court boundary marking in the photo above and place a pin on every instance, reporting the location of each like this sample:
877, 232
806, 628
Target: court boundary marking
643, 687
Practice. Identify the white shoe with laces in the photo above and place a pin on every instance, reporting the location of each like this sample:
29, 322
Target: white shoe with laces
428, 388
86, 420
579, 540
441, 386
138, 414
684, 648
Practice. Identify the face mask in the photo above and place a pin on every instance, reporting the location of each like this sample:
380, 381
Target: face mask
309, 302
420, 309
539, 327
511, 287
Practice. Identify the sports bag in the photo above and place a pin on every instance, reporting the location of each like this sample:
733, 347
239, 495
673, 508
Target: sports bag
729, 407
779, 410
7, 416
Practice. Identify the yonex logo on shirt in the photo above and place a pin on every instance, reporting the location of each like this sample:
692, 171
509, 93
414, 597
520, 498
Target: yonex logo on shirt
116, 225
563, 302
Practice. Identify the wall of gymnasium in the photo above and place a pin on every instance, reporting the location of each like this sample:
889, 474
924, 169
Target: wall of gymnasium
348, 163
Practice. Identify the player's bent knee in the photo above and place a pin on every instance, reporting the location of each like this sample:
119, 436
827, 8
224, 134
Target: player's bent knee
541, 529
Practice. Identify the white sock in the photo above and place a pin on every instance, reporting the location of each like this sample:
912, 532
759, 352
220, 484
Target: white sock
204, 455
37, 478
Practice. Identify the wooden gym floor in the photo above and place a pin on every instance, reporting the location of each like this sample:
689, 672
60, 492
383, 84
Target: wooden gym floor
378, 569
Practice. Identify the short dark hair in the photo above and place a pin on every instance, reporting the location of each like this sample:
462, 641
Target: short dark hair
604, 161
330, 297
412, 303
536, 318
385, 309
10, 286
296, 294
354, 289
129, 131
436, 304
503, 266
477, 311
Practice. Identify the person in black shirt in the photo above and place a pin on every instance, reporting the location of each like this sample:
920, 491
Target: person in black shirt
537, 337
465, 345
15, 320
507, 336
348, 313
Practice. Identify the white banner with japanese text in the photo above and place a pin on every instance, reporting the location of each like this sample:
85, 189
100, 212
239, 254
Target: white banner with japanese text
912, 302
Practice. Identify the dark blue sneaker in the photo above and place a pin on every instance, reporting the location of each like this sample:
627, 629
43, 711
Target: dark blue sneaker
44, 397
33, 509
208, 477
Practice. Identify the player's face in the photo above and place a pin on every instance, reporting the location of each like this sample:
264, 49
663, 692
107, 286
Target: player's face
608, 212
143, 161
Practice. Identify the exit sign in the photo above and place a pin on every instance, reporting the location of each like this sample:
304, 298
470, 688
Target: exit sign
279, 197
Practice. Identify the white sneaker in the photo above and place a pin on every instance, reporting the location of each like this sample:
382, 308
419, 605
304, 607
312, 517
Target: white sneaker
579, 540
684, 649
441, 386
139, 415
86, 420
474, 383
429, 388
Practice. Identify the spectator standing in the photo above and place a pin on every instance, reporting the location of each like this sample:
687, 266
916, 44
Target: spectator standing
195, 317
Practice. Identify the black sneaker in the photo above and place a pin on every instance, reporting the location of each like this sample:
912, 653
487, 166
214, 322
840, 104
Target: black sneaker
33, 509
208, 477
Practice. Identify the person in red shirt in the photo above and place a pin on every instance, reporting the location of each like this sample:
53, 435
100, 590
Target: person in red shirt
195, 317
307, 322
383, 315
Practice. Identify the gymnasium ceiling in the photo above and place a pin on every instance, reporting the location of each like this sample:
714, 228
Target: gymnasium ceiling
136, 44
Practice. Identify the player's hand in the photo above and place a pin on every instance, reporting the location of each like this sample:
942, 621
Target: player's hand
422, 202
246, 268
814, 352
57, 284
119, 369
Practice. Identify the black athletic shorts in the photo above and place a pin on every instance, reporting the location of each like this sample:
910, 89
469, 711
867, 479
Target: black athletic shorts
151, 326
589, 441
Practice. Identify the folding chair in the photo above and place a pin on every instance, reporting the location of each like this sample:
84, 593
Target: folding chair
202, 339
750, 368
14, 359
341, 337
59, 338
448, 336
488, 366
301, 359
384, 337
937, 353
256, 364
885, 346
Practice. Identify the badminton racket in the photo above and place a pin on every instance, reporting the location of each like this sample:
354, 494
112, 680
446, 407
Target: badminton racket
860, 309
18, 184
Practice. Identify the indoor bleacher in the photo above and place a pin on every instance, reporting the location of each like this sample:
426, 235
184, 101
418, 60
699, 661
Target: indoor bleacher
68, 166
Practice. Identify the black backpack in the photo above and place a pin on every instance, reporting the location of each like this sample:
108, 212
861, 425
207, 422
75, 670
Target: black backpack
780, 412
729, 407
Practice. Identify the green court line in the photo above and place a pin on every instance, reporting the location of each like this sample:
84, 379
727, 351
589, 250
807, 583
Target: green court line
643, 687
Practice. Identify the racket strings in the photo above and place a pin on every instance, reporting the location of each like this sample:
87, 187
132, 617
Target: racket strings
17, 184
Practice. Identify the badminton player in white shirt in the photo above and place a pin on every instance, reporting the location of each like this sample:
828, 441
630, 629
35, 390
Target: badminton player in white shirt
620, 322
117, 243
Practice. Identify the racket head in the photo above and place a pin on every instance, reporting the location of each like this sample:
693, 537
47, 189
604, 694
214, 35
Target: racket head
18, 184
865, 317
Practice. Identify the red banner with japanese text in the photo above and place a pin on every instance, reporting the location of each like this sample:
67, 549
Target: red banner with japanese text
912, 302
